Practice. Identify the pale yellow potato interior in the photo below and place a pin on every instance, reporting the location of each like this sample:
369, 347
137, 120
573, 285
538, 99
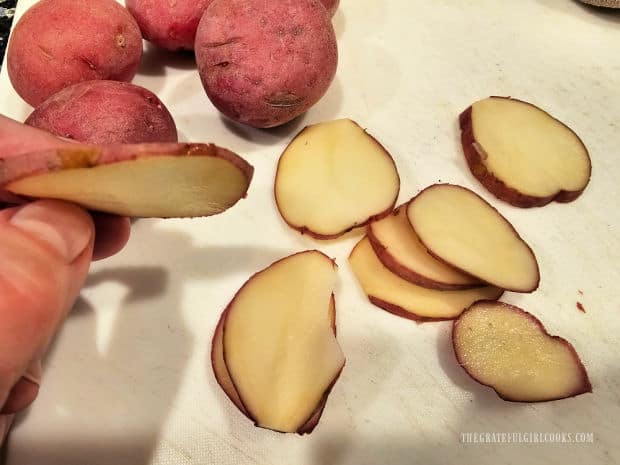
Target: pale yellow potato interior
462, 229
506, 349
395, 233
527, 149
379, 282
279, 344
162, 186
334, 176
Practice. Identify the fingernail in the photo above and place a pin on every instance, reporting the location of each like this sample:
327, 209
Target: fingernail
63, 227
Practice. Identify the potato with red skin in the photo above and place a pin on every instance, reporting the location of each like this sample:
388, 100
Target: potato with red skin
331, 6
265, 63
57, 43
105, 112
170, 25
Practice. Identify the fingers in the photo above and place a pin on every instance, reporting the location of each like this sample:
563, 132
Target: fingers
17, 138
112, 233
45, 252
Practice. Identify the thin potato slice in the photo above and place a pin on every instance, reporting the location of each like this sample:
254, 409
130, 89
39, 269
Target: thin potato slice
224, 380
280, 348
400, 250
405, 299
523, 155
145, 180
508, 349
462, 229
334, 177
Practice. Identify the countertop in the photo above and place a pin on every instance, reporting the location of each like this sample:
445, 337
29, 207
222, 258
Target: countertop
128, 380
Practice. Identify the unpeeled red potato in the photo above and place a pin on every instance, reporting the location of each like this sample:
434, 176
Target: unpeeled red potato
57, 43
105, 112
263, 63
169, 24
331, 6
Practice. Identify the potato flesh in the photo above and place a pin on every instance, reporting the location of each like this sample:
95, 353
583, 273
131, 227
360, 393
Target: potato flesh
394, 232
334, 176
527, 149
380, 283
463, 230
279, 343
508, 350
162, 186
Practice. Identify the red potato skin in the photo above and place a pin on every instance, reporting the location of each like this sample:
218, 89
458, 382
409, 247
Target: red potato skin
307, 426
105, 112
505, 220
474, 155
392, 264
265, 63
305, 230
170, 25
331, 6
585, 388
85, 156
57, 43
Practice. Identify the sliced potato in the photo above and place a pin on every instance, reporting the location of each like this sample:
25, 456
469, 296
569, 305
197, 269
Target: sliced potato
508, 349
334, 177
145, 180
462, 229
403, 298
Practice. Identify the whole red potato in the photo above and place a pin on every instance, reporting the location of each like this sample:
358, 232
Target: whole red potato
105, 112
331, 6
168, 24
263, 63
57, 43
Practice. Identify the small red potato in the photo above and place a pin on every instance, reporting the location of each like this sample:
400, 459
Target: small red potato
331, 6
168, 24
265, 63
105, 112
57, 43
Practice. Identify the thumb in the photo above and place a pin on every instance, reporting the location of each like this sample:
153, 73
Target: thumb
45, 252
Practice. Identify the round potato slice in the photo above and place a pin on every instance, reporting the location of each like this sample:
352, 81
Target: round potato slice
334, 177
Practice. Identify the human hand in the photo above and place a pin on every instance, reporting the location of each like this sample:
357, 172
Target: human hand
46, 248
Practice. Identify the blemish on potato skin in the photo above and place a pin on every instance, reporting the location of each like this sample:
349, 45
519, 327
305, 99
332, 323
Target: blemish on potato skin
230, 41
90, 64
46, 53
121, 41
284, 100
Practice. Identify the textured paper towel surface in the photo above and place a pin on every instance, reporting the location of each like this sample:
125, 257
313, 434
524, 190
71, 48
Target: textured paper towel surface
129, 381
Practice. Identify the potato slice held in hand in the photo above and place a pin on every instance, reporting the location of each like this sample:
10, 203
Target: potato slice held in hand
508, 349
399, 249
523, 155
462, 229
403, 298
143, 180
334, 177
279, 343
